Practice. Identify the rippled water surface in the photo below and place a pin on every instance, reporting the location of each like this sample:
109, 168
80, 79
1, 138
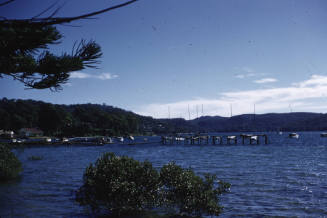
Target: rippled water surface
287, 177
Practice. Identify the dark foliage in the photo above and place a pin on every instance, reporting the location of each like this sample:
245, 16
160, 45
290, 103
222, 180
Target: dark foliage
10, 166
80, 120
186, 193
93, 119
24, 53
67, 120
123, 186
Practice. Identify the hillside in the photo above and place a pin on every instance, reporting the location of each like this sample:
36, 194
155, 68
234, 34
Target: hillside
299, 121
80, 119
95, 119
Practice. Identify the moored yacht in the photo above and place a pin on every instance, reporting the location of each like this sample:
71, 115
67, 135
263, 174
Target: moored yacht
294, 135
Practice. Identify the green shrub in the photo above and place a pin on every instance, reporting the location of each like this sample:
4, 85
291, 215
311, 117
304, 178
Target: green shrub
10, 166
121, 185
124, 186
186, 193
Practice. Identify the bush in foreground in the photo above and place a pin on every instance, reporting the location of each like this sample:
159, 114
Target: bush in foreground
124, 186
10, 166
186, 193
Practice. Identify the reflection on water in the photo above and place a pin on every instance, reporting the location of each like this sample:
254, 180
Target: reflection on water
287, 177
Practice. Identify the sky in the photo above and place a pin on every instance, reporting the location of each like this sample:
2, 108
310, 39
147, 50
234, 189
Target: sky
191, 58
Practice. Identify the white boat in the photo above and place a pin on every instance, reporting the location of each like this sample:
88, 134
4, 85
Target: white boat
294, 135
131, 137
48, 140
121, 139
323, 134
255, 138
109, 140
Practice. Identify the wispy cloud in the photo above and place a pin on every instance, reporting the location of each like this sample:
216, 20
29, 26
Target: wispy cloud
315, 80
308, 95
246, 72
247, 69
102, 76
242, 76
265, 80
105, 76
79, 75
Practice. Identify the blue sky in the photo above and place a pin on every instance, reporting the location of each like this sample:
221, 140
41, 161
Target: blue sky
175, 54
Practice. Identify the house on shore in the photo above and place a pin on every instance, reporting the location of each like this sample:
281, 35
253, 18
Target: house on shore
30, 132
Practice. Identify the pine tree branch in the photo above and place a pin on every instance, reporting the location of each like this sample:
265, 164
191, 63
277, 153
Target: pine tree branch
44, 11
7, 2
60, 20
22, 39
49, 70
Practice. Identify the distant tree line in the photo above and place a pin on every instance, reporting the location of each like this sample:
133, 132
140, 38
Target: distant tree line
67, 120
82, 119
296, 121
96, 119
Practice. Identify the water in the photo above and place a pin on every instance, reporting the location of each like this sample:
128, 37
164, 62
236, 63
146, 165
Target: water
287, 177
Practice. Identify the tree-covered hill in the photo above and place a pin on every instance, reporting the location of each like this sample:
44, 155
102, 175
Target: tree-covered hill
96, 119
299, 121
81, 119
70, 120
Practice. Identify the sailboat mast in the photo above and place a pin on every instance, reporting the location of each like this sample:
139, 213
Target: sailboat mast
290, 106
168, 112
202, 110
197, 113
189, 115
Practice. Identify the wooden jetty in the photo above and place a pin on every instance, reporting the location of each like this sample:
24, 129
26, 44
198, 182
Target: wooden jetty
254, 138
215, 140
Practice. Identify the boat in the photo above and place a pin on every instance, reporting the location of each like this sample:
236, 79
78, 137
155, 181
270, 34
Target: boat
121, 139
109, 140
255, 138
131, 137
323, 134
232, 137
294, 135
48, 140
179, 138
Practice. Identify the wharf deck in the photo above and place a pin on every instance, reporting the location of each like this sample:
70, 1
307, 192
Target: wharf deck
216, 140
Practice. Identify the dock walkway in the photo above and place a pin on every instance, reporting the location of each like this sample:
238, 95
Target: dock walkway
216, 140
